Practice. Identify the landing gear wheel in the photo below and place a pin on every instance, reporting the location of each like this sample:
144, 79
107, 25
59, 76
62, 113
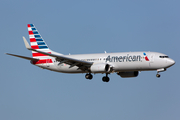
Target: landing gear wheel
88, 76
105, 79
158, 75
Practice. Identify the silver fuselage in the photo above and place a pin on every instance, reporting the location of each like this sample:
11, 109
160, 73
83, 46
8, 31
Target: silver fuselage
122, 61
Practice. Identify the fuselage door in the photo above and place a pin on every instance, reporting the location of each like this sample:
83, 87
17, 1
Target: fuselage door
151, 59
48, 62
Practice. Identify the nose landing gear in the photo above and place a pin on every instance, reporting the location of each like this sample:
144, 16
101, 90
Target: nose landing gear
160, 70
158, 75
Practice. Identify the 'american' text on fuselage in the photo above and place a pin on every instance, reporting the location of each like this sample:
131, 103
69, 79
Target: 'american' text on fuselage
127, 58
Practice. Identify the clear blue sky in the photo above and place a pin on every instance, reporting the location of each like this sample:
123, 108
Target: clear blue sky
78, 27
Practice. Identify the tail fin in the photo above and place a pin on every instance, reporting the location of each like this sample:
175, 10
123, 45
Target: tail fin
37, 42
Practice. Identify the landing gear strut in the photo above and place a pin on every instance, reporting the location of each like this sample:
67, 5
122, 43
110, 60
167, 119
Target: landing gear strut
105, 78
160, 70
158, 75
88, 76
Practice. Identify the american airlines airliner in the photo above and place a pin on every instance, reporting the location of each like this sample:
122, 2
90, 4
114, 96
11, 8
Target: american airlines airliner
125, 64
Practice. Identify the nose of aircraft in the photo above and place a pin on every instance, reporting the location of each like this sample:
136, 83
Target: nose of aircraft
170, 62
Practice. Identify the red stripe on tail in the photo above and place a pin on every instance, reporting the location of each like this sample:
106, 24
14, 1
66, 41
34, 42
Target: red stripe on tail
43, 61
32, 40
28, 25
31, 33
39, 54
35, 47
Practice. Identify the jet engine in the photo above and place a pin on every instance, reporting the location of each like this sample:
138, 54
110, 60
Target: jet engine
100, 68
128, 74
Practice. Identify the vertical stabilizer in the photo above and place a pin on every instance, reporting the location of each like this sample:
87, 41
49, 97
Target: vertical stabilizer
37, 42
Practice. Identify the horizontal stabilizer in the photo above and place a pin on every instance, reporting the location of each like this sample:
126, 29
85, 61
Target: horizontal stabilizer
24, 57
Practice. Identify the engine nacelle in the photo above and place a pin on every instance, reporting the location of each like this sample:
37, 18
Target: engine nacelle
100, 68
128, 74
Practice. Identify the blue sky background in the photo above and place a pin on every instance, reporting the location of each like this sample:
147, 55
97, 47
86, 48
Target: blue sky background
79, 27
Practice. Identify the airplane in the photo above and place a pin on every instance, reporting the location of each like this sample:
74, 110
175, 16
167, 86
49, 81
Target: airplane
125, 64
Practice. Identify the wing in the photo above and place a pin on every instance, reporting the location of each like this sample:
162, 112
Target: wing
83, 65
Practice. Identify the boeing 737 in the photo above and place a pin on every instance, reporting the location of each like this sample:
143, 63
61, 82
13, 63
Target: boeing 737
125, 64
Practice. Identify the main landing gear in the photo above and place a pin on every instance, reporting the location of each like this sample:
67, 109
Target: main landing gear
88, 76
105, 78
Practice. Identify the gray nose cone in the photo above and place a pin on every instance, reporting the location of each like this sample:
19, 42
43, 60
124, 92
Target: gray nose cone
170, 62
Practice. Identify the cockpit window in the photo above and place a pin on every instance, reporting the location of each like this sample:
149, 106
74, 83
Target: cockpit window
163, 56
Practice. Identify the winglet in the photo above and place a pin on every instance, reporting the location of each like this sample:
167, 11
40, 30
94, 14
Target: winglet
26, 43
